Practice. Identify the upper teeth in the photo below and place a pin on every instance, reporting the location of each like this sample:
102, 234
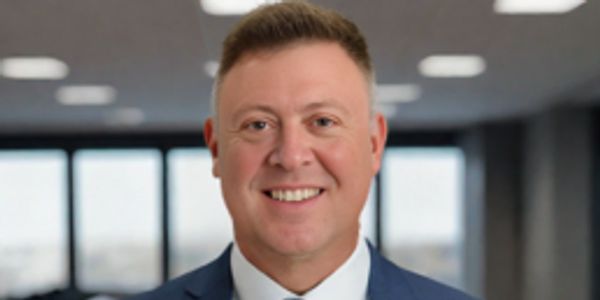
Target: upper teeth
294, 195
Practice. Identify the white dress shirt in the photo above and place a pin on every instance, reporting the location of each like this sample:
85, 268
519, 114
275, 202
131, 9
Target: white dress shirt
348, 282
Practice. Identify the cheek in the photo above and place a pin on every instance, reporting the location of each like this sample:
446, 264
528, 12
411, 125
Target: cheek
240, 162
239, 165
348, 157
350, 164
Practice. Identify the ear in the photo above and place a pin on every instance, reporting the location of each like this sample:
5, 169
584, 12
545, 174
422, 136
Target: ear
378, 137
210, 138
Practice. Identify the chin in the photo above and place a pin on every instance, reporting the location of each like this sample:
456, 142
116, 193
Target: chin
297, 244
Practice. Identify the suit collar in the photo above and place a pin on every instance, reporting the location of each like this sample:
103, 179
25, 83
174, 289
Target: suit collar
213, 281
386, 281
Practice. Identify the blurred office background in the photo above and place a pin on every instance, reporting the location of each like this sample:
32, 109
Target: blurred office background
489, 181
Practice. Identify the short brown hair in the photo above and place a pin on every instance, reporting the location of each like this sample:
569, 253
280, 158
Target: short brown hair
276, 25
270, 27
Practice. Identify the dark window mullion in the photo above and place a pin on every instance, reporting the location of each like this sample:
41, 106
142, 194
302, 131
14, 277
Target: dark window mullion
71, 240
165, 234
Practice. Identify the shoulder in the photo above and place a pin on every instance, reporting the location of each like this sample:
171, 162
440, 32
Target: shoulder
392, 282
173, 289
427, 289
213, 279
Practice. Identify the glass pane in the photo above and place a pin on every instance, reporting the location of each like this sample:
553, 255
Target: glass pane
32, 222
201, 227
422, 211
118, 221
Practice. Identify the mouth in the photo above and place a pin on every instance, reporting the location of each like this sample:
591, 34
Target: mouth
293, 195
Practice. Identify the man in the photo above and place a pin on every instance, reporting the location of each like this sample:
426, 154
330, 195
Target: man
296, 143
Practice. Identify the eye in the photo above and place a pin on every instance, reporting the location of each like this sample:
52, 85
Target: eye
323, 122
257, 125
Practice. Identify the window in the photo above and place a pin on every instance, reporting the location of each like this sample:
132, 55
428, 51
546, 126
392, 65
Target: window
201, 227
33, 256
118, 212
422, 211
117, 195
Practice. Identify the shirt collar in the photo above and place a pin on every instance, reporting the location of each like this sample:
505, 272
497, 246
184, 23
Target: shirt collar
349, 281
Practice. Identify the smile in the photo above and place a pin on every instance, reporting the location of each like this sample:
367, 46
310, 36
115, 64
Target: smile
293, 195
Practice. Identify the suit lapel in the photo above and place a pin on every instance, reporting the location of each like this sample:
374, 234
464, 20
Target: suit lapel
214, 281
386, 281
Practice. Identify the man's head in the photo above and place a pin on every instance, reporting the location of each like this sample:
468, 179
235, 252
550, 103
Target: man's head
296, 145
271, 27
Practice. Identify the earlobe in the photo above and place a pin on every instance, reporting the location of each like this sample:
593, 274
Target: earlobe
210, 139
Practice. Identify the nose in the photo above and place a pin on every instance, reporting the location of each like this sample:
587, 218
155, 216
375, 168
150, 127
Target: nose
292, 149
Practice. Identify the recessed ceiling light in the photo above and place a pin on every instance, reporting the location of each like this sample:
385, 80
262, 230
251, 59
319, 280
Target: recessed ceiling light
452, 66
232, 7
126, 116
536, 6
211, 68
86, 95
33, 68
397, 93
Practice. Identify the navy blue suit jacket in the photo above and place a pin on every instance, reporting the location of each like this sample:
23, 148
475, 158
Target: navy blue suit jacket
386, 282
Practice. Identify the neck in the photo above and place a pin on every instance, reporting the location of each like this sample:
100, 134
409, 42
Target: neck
300, 273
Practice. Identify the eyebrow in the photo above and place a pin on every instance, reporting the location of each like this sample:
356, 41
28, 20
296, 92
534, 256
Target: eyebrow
259, 107
326, 103
314, 105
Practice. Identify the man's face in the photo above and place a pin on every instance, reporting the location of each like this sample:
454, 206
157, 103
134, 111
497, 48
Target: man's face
295, 148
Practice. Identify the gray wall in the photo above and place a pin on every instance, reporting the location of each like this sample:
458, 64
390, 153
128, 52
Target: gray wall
558, 195
528, 195
493, 195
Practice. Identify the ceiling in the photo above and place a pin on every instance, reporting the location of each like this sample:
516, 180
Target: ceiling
153, 53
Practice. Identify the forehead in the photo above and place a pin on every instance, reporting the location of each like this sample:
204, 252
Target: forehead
295, 74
